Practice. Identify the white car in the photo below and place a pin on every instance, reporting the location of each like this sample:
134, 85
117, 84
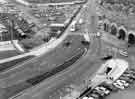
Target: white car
85, 98
91, 98
102, 90
121, 84
72, 29
98, 34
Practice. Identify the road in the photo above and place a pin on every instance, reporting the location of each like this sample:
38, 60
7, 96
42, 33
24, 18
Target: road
64, 83
74, 78
128, 93
14, 80
76, 75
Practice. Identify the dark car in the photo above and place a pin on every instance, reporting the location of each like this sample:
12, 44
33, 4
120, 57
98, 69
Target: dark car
129, 72
109, 87
129, 80
130, 75
132, 69
85, 42
107, 57
67, 43
95, 95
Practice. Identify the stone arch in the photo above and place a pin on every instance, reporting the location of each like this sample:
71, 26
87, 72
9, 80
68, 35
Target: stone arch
106, 25
131, 38
113, 29
122, 33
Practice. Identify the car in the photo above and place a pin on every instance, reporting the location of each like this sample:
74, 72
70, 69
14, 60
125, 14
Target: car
91, 98
102, 90
81, 21
67, 43
125, 83
132, 76
85, 97
73, 27
132, 69
94, 95
107, 57
109, 87
121, 84
129, 72
129, 80
85, 42
98, 94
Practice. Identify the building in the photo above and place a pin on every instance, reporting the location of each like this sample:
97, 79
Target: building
118, 20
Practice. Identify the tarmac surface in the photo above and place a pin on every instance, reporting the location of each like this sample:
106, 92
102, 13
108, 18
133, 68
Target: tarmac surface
72, 79
73, 75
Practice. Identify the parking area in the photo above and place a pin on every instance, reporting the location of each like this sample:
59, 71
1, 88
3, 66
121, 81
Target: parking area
124, 84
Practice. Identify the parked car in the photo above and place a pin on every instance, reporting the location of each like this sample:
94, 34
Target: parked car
98, 94
109, 87
132, 69
102, 90
91, 98
85, 97
121, 84
129, 80
125, 83
85, 42
129, 72
130, 75
94, 95
107, 57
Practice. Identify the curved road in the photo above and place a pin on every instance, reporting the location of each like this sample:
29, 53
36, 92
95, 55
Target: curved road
13, 81
74, 77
